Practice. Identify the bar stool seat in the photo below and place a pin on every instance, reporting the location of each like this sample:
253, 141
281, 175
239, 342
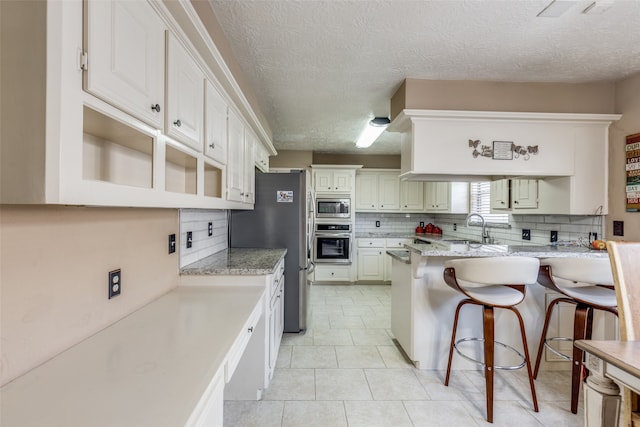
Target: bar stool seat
587, 283
495, 295
494, 282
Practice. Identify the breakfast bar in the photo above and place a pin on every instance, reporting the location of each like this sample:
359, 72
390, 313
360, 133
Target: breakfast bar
423, 306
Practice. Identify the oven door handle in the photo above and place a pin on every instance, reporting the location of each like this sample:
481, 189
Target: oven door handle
332, 234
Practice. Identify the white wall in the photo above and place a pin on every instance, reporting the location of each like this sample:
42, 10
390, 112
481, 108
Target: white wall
54, 275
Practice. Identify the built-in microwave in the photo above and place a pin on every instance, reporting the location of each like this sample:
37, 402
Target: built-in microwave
333, 207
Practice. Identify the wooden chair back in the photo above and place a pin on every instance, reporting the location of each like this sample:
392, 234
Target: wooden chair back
625, 265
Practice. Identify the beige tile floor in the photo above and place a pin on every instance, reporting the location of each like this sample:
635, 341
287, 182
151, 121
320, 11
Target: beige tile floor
346, 371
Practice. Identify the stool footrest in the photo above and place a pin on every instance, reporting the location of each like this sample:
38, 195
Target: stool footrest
557, 352
481, 363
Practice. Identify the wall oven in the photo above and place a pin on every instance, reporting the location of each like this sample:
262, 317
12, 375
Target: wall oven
332, 243
334, 207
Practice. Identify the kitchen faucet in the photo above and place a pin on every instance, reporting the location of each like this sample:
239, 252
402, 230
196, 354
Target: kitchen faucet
485, 233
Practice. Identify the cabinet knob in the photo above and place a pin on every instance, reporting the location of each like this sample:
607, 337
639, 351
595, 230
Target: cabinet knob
250, 329
515, 202
156, 108
178, 123
212, 145
242, 194
502, 202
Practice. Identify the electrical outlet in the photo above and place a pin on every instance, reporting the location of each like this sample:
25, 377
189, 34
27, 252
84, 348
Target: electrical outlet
455, 227
618, 228
115, 283
553, 236
422, 224
189, 239
526, 234
210, 229
172, 243
377, 223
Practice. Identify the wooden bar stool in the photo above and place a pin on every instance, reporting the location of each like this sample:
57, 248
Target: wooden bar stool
495, 282
587, 283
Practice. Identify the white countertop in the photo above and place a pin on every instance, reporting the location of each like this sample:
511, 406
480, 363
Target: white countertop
148, 369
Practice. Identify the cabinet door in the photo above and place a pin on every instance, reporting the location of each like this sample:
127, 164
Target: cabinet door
437, 196
249, 179
215, 141
262, 157
343, 180
125, 46
185, 96
235, 165
366, 192
411, 196
500, 194
525, 193
388, 192
323, 180
370, 264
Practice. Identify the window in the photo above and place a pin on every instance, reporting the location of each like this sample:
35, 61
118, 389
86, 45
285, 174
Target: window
480, 202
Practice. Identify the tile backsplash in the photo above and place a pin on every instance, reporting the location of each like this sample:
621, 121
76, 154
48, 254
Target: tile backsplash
197, 221
572, 229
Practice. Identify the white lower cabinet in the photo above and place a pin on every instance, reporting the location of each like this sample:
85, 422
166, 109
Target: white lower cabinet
373, 263
276, 320
370, 259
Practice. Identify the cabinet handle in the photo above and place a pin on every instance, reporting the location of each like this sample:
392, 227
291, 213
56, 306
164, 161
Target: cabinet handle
212, 145
178, 123
156, 108
250, 329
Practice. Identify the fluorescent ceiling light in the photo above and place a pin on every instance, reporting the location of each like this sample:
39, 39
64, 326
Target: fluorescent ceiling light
372, 131
556, 8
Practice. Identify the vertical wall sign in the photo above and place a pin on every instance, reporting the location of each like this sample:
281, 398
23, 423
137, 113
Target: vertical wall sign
632, 168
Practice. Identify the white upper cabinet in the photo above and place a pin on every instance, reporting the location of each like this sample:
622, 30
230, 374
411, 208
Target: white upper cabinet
235, 165
500, 194
377, 191
185, 96
389, 192
215, 141
366, 191
411, 196
125, 42
262, 157
249, 179
437, 196
336, 181
525, 193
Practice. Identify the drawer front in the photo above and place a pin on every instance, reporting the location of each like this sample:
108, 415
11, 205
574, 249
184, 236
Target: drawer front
371, 243
396, 243
337, 272
239, 345
277, 278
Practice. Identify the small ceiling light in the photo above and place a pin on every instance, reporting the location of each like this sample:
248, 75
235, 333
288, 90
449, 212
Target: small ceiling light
556, 8
372, 131
598, 7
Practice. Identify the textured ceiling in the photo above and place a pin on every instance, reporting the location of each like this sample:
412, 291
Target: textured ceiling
322, 69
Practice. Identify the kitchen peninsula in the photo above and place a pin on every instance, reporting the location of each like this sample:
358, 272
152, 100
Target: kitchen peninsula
423, 306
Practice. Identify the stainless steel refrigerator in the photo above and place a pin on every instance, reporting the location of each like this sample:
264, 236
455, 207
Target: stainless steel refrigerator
280, 219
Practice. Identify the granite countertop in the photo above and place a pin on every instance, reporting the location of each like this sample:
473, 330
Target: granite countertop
400, 255
237, 261
438, 247
151, 368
